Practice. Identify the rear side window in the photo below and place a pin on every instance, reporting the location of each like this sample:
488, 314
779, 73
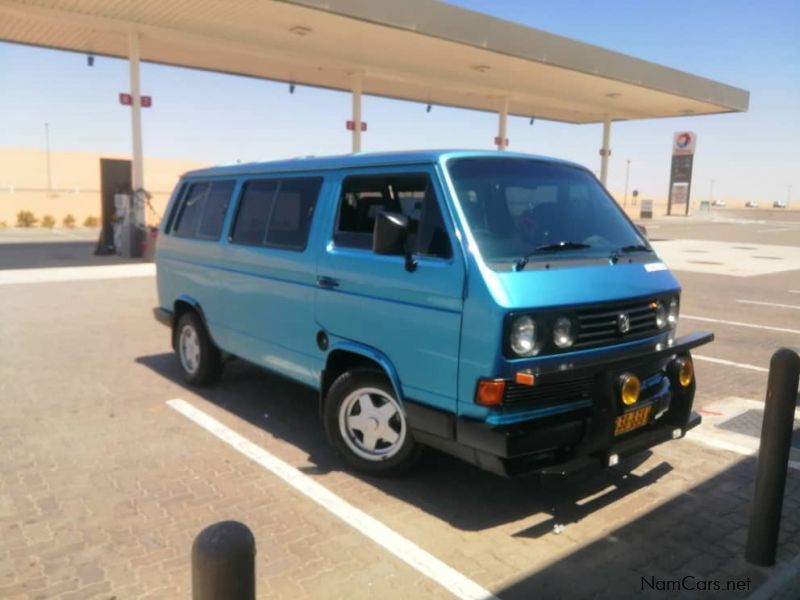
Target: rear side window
276, 213
412, 195
203, 210
254, 209
292, 212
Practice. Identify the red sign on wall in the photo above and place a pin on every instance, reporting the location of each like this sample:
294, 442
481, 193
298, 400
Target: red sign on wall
351, 125
127, 100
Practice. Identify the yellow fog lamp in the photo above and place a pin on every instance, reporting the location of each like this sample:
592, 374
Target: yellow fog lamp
685, 371
629, 389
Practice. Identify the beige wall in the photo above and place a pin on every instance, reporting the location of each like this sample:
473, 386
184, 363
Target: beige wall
76, 183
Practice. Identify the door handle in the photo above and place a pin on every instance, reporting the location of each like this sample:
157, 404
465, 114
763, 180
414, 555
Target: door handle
327, 282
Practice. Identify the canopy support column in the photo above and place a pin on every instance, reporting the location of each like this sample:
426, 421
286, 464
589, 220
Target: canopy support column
358, 84
605, 151
136, 111
501, 141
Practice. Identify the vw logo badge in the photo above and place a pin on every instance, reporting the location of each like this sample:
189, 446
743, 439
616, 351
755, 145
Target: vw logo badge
624, 323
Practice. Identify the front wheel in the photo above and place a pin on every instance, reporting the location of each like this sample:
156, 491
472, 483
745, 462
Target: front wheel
366, 425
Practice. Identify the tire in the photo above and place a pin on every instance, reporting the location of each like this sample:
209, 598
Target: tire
200, 360
380, 444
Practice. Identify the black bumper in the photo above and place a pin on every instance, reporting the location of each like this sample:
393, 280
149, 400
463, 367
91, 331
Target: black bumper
163, 316
577, 439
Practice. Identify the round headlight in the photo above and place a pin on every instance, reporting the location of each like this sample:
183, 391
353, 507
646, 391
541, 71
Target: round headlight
563, 335
661, 315
672, 315
523, 336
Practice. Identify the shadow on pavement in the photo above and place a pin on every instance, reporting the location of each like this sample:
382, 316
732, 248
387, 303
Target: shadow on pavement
288, 410
37, 255
699, 535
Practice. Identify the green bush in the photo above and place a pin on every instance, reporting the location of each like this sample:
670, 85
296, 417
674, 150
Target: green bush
68, 221
91, 221
26, 218
48, 221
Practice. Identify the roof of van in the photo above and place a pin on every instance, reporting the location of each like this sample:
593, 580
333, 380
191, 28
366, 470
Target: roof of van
360, 159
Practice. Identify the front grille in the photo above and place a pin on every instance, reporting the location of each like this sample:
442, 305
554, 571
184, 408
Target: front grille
545, 393
599, 326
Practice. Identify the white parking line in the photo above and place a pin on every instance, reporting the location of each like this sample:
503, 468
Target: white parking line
794, 291
740, 324
729, 363
718, 441
769, 304
18, 276
427, 564
776, 230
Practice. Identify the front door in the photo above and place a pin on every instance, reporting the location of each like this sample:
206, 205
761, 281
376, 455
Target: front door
412, 317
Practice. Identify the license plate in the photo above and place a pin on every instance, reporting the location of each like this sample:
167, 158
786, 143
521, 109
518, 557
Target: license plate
632, 420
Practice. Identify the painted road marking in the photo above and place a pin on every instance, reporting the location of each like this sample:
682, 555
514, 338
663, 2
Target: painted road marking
740, 324
729, 363
404, 549
711, 434
769, 304
54, 274
794, 291
776, 230
727, 258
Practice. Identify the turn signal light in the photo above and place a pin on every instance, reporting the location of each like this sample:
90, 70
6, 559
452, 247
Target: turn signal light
490, 392
525, 378
629, 389
685, 371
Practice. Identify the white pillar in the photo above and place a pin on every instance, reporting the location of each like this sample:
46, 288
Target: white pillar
605, 151
358, 84
502, 125
136, 110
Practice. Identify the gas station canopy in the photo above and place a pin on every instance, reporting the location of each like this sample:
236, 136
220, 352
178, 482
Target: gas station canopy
417, 50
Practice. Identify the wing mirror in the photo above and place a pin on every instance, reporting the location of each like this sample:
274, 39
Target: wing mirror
390, 236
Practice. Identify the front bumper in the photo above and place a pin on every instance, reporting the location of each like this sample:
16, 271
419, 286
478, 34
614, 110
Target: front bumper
573, 434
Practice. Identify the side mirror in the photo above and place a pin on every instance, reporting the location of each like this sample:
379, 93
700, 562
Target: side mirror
390, 236
642, 230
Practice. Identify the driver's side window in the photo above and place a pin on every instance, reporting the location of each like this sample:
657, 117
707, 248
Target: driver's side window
412, 195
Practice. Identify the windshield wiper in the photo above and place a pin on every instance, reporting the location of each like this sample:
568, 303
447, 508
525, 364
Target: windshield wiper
557, 247
635, 248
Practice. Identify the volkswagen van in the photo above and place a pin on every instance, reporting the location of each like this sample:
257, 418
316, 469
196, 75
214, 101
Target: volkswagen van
496, 306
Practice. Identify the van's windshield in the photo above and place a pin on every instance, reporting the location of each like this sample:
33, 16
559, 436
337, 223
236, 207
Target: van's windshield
521, 210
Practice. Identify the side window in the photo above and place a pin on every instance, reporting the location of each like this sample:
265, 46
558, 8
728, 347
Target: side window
169, 220
292, 212
251, 221
363, 197
218, 199
203, 210
276, 213
191, 210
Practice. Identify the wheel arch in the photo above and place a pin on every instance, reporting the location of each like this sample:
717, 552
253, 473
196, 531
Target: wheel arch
345, 356
183, 304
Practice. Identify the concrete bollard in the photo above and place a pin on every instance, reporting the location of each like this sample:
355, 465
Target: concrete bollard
773, 457
223, 563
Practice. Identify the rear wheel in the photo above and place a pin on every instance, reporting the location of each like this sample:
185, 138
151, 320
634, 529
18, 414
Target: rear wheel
365, 423
199, 358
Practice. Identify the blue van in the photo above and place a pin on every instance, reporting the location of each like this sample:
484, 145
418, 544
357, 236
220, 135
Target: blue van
497, 306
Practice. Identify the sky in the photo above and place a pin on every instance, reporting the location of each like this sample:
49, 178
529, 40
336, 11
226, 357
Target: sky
214, 118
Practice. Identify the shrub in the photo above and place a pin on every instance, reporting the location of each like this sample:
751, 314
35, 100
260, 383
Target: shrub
26, 218
3, 224
91, 221
68, 221
48, 221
